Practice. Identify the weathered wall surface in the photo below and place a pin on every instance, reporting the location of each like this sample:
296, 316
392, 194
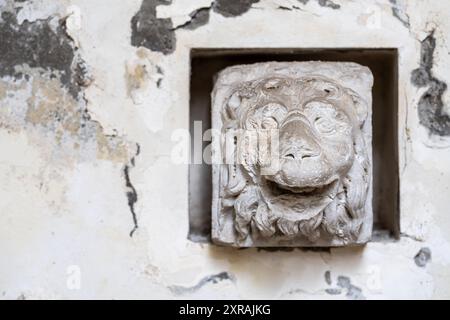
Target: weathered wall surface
91, 205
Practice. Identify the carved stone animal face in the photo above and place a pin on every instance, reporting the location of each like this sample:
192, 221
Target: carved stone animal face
312, 180
315, 142
316, 124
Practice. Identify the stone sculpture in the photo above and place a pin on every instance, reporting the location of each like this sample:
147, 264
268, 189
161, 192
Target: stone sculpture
292, 157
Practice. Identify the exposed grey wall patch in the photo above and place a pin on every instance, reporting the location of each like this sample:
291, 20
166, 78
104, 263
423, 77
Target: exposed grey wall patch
343, 285
430, 106
399, 13
159, 34
422, 257
150, 32
38, 45
353, 292
229, 8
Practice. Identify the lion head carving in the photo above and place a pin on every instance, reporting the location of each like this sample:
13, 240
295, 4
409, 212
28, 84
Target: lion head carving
301, 166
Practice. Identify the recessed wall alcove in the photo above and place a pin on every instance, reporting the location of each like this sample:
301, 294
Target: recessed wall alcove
383, 63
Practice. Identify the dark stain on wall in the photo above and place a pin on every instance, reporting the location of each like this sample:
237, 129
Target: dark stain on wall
329, 4
400, 14
215, 278
328, 277
229, 8
353, 292
131, 192
199, 18
344, 285
430, 106
38, 45
324, 3
422, 257
151, 32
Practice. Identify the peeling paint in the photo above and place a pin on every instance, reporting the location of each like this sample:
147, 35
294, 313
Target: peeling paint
150, 32
41, 44
158, 34
42, 105
72, 182
198, 18
42, 81
140, 74
215, 278
42, 84
430, 106
136, 78
228, 9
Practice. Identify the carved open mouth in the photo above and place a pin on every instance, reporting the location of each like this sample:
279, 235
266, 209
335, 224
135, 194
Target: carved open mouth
279, 189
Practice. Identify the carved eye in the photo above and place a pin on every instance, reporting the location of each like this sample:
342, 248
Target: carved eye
325, 125
327, 120
330, 89
267, 116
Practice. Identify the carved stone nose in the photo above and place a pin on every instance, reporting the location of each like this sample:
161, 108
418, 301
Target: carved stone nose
297, 140
301, 152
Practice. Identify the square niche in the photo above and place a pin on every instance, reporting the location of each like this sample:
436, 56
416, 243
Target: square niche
206, 63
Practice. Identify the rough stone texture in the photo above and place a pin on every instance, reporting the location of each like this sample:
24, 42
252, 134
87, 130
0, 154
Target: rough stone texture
65, 219
301, 137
